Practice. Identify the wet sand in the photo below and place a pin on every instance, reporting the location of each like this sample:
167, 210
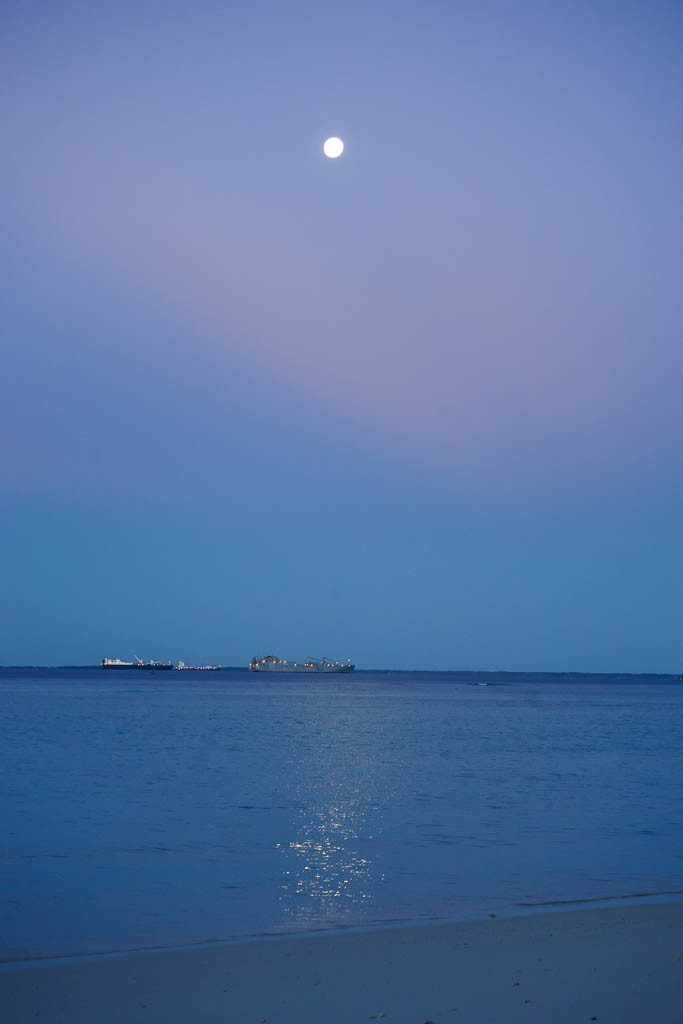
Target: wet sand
609, 964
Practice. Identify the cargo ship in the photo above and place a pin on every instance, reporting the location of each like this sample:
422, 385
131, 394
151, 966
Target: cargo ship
273, 664
153, 666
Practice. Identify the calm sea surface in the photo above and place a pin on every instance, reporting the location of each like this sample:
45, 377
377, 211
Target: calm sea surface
157, 810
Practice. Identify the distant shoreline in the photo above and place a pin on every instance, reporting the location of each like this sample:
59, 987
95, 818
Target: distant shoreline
464, 674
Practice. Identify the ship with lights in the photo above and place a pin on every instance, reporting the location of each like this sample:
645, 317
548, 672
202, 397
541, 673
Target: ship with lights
151, 666
182, 667
272, 664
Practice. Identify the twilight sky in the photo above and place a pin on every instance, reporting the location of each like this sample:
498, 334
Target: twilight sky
420, 406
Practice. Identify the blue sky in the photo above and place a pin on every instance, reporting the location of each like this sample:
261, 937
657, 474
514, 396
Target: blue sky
419, 406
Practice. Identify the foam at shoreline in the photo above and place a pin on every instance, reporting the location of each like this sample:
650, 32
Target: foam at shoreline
277, 935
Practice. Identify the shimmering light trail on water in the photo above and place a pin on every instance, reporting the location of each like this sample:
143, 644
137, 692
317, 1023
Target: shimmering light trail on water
187, 807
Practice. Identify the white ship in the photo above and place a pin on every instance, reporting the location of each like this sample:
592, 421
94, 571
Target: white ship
154, 666
272, 664
182, 667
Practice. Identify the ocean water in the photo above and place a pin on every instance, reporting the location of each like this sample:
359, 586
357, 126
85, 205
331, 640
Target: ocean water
152, 810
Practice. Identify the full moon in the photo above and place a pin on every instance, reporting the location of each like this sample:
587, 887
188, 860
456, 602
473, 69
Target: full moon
333, 147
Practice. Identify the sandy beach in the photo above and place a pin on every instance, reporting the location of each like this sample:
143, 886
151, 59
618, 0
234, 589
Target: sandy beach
616, 964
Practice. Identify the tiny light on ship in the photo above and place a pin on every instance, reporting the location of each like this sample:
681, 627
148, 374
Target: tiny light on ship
333, 148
